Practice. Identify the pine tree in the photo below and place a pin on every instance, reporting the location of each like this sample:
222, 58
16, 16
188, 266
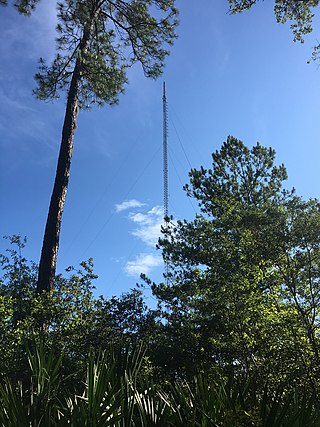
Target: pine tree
98, 40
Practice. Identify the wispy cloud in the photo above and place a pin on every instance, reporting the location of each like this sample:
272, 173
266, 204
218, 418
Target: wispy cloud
149, 225
143, 263
148, 230
129, 204
30, 38
25, 122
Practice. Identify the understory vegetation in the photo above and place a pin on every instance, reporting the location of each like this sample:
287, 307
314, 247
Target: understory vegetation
233, 341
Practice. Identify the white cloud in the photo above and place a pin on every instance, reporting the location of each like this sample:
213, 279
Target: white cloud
149, 225
143, 263
149, 234
147, 229
149, 217
129, 204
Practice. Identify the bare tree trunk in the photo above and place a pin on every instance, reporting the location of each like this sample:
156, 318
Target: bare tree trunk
50, 245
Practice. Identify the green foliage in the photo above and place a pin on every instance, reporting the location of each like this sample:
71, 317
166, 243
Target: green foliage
106, 38
113, 392
108, 398
25, 7
69, 318
35, 400
235, 337
300, 14
243, 285
46, 399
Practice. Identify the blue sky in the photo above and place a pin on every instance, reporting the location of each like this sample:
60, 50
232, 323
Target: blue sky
240, 75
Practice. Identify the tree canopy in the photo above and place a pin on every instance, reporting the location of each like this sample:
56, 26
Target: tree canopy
243, 284
300, 14
106, 38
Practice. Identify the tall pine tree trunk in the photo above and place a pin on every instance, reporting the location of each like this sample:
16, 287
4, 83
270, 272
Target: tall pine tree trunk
50, 245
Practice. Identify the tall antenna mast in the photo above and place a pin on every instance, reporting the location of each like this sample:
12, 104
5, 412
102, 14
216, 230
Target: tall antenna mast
165, 154
165, 172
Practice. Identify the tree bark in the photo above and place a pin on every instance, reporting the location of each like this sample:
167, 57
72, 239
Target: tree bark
50, 245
